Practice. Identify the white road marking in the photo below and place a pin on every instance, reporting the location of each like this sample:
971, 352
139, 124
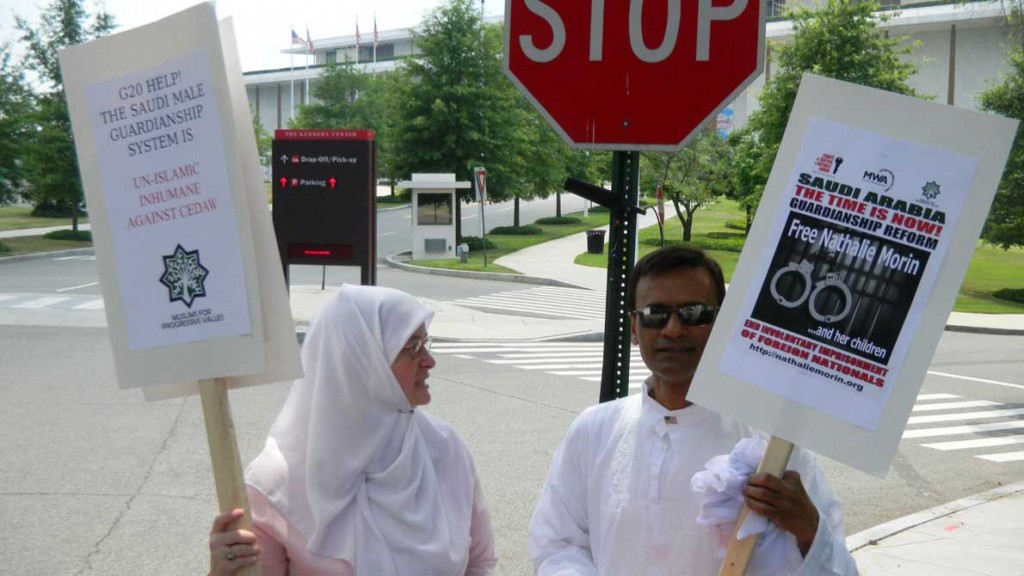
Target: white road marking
77, 287
982, 380
41, 302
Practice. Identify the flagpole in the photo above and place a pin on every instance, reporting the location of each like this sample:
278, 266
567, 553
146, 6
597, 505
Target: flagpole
292, 75
309, 51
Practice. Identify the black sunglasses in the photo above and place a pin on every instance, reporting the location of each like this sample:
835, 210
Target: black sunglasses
657, 316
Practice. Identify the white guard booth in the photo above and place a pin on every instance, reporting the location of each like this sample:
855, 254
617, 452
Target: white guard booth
433, 214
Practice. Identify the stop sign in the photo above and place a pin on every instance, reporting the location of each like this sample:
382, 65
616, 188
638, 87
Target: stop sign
630, 74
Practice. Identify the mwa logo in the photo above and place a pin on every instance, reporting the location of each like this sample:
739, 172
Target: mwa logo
884, 178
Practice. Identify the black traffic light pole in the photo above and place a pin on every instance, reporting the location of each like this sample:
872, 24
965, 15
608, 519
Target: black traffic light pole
622, 204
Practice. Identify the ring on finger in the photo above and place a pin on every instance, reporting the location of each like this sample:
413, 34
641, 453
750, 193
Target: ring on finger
230, 555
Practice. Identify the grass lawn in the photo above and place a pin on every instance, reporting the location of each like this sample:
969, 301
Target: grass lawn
20, 218
506, 243
990, 270
29, 244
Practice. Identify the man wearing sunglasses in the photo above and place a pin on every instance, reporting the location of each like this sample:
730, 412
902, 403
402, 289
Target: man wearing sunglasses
617, 499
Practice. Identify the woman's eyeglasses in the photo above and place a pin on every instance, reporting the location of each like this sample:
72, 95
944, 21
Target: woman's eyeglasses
417, 346
657, 316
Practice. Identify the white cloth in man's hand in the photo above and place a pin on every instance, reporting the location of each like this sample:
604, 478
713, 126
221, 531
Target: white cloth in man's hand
722, 483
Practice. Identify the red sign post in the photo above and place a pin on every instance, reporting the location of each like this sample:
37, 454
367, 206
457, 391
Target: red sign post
630, 74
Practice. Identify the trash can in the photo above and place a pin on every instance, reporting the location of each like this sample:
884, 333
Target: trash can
595, 241
463, 250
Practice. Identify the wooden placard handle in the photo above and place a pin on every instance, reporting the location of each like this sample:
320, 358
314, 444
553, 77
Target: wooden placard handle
224, 455
774, 462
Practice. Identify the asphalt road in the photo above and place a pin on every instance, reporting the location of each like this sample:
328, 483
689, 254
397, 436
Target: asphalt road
97, 482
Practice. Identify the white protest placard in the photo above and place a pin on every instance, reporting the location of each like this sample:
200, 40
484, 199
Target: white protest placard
192, 289
866, 227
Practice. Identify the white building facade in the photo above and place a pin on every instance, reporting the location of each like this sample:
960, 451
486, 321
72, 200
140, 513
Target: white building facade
960, 51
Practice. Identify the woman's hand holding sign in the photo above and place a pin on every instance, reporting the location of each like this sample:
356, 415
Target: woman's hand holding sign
231, 550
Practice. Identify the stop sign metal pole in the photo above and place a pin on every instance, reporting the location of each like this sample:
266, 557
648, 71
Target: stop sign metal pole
621, 202
621, 248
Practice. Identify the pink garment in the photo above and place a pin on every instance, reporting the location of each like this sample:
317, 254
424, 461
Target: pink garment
284, 548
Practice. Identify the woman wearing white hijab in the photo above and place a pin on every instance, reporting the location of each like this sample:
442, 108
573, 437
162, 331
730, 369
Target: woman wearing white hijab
354, 479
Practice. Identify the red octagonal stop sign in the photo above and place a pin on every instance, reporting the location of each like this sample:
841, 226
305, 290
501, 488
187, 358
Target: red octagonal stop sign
632, 74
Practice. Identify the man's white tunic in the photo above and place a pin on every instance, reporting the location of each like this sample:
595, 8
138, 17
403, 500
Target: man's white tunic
617, 500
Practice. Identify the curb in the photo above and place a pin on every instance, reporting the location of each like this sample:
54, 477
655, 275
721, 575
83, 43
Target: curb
43, 255
392, 261
872, 536
991, 330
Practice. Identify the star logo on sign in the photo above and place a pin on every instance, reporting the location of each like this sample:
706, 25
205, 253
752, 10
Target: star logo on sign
930, 190
184, 276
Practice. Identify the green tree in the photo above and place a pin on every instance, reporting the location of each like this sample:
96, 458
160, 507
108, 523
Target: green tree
1005, 224
347, 97
453, 112
840, 40
50, 162
540, 159
340, 96
747, 177
690, 178
15, 126
264, 143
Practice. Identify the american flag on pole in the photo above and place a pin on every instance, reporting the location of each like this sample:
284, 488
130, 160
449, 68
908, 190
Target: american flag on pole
358, 37
296, 39
309, 41
374, 31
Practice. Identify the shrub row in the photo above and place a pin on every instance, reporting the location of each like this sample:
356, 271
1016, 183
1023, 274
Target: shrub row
1011, 294
400, 198
79, 236
518, 230
476, 243
557, 220
736, 225
4, 247
55, 210
726, 243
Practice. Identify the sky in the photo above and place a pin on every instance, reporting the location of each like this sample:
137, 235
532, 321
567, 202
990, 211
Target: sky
262, 26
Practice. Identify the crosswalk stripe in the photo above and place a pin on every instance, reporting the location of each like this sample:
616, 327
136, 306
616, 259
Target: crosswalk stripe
535, 360
955, 405
556, 366
970, 429
977, 443
926, 397
595, 354
965, 416
555, 306
514, 345
93, 305
41, 302
509, 301
584, 360
1005, 457
555, 301
493, 350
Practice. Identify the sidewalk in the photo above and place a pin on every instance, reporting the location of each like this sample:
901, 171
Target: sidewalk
37, 231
